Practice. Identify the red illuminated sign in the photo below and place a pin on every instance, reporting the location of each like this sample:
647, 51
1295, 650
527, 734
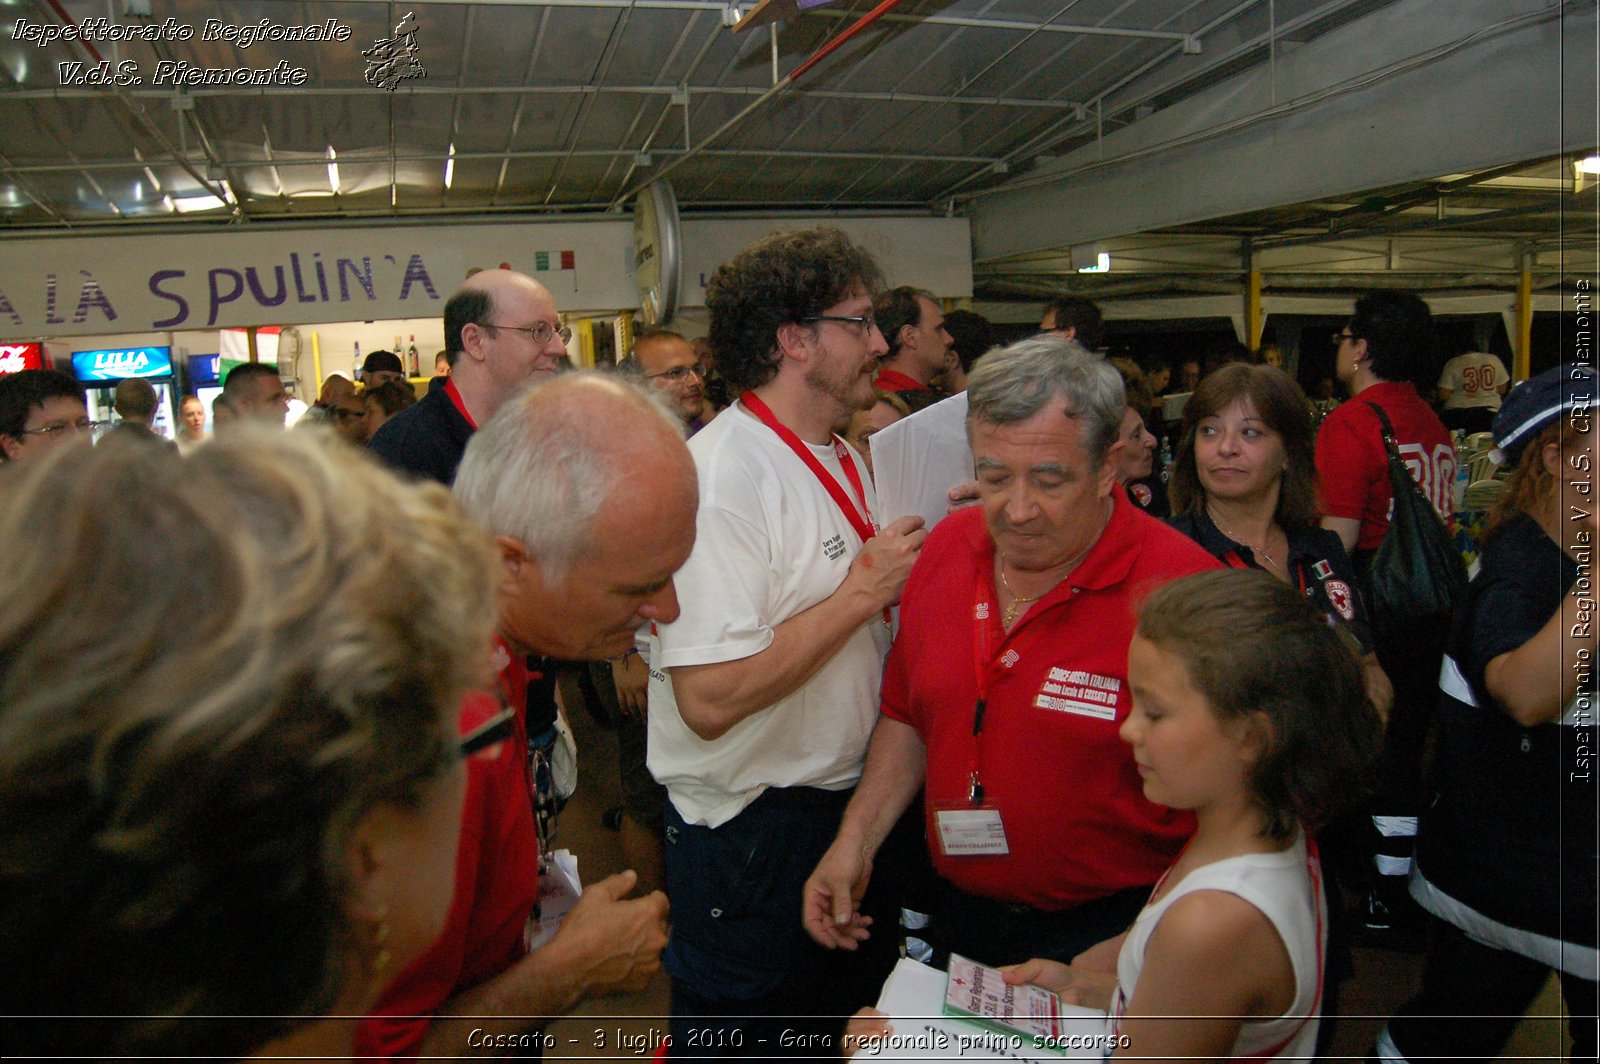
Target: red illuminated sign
15, 357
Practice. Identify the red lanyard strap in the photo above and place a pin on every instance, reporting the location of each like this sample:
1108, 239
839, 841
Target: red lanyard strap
860, 519
454, 395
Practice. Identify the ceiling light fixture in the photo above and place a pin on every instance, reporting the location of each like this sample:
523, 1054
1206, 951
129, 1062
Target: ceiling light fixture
1102, 264
333, 169
450, 167
1590, 165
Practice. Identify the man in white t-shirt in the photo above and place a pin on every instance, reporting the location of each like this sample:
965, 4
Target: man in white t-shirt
764, 692
1470, 387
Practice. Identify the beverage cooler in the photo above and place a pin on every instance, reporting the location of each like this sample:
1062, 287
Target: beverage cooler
101, 371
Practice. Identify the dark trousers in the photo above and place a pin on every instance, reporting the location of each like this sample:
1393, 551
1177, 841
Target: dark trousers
1474, 995
743, 968
997, 933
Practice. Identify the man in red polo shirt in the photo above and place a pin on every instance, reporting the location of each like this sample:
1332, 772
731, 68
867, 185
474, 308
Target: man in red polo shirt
919, 347
1008, 681
591, 494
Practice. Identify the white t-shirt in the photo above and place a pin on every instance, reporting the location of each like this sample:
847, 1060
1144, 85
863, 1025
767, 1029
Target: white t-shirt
770, 543
1287, 888
1474, 379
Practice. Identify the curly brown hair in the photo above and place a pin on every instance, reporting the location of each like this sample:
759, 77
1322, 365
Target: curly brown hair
1258, 651
780, 280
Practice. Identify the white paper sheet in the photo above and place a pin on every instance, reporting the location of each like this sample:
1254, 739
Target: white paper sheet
913, 997
918, 459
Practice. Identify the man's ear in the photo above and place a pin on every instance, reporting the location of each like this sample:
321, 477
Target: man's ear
796, 341
471, 343
10, 445
1106, 475
514, 557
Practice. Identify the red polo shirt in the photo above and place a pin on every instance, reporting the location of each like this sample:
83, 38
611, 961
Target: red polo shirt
1076, 820
497, 883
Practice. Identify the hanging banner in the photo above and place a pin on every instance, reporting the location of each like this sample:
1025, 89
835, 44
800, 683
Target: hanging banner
88, 286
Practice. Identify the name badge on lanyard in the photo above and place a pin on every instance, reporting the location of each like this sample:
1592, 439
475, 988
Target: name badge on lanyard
971, 832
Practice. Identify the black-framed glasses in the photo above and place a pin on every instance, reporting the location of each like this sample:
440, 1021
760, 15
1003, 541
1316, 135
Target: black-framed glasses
865, 322
539, 332
494, 730
1342, 335
676, 374
55, 428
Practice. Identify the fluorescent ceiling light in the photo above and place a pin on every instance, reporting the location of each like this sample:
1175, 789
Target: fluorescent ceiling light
450, 167
1591, 165
1102, 264
191, 204
333, 169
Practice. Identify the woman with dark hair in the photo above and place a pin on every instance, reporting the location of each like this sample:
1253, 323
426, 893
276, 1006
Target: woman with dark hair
1244, 487
1386, 354
1505, 853
383, 401
230, 786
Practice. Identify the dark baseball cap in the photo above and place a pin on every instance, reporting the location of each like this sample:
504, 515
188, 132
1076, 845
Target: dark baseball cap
1538, 401
381, 361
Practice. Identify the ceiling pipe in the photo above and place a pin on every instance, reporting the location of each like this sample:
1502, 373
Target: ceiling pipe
789, 79
138, 113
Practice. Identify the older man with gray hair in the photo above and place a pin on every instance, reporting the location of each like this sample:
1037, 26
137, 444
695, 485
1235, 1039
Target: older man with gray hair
1042, 838
590, 493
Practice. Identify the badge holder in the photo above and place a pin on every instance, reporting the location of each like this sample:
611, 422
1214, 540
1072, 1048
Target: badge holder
970, 828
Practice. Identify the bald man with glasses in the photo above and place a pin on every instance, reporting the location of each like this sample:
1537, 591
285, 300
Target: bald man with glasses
501, 330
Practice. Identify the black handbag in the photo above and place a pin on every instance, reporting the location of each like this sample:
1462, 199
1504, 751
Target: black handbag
1417, 575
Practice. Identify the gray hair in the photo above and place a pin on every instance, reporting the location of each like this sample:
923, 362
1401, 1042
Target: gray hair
1014, 383
545, 464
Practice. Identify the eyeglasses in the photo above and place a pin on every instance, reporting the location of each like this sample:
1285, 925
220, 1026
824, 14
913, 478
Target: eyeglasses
676, 374
55, 428
1341, 337
866, 322
540, 332
496, 729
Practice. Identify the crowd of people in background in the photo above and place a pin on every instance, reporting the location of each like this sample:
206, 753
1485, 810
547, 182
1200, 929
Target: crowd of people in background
281, 749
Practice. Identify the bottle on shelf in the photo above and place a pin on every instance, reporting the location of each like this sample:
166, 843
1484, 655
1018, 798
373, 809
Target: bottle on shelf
355, 366
413, 364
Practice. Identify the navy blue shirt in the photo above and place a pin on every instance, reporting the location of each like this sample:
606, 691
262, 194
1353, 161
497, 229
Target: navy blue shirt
1317, 565
425, 440
1511, 831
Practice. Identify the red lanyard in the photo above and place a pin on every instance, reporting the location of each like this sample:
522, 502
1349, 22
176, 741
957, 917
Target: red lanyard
987, 664
1235, 560
860, 519
456, 401
513, 683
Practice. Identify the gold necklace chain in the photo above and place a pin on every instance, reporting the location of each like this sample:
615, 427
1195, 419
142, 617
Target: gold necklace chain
1009, 613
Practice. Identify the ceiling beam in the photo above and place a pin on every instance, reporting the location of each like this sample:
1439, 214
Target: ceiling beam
1361, 109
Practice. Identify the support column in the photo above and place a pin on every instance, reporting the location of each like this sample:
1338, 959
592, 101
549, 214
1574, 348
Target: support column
583, 332
1254, 320
1521, 352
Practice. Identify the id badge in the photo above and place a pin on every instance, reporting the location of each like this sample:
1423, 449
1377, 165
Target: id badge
971, 831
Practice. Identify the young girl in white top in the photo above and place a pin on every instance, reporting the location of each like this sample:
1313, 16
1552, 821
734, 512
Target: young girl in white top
1250, 710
